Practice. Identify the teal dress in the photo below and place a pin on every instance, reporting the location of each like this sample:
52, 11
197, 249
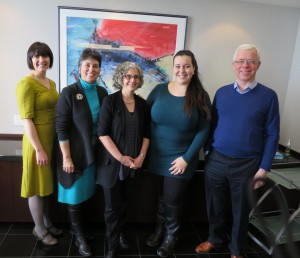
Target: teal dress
85, 187
174, 133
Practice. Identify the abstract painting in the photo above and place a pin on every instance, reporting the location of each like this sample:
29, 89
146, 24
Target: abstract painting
150, 40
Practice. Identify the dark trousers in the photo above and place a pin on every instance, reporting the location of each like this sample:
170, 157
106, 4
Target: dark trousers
116, 202
227, 179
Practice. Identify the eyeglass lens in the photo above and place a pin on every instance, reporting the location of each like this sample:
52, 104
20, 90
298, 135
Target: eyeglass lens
243, 61
129, 76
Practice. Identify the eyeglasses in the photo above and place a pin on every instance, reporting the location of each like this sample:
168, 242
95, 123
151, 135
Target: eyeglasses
129, 77
243, 61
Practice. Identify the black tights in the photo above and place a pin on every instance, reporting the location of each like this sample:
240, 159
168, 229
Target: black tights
172, 190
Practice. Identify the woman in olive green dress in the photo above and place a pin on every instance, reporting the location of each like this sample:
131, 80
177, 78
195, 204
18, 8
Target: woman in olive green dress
37, 98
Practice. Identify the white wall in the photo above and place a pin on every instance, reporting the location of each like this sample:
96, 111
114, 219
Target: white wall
290, 121
215, 29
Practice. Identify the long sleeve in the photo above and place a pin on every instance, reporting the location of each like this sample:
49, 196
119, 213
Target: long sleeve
201, 136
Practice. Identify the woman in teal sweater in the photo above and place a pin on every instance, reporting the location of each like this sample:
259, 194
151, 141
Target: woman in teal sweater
76, 126
180, 114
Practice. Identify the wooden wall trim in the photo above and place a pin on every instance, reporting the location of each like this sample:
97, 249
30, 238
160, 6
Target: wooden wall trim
14, 137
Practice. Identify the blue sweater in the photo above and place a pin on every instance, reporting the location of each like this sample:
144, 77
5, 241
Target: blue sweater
174, 133
246, 125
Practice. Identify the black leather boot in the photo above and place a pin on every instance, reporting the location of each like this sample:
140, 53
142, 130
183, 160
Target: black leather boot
76, 229
123, 242
83, 247
157, 236
111, 253
172, 222
167, 246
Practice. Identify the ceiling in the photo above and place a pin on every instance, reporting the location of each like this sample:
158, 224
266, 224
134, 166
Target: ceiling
288, 3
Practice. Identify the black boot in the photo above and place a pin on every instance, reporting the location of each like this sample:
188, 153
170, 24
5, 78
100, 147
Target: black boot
76, 229
173, 219
157, 236
111, 254
123, 242
167, 246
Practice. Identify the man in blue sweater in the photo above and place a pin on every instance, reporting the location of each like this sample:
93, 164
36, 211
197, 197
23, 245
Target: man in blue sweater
243, 142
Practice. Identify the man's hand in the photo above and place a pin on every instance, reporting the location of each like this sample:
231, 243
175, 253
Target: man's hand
260, 174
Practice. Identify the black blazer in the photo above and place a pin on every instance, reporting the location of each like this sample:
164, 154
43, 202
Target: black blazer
74, 122
112, 123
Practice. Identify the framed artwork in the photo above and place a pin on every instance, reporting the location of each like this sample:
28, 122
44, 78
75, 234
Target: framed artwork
148, 39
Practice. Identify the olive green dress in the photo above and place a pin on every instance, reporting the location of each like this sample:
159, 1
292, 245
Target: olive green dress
37, 102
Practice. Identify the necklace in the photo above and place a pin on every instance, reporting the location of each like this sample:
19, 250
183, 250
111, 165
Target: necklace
128, 102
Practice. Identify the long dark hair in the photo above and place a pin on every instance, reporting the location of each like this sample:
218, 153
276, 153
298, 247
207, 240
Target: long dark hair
195, 93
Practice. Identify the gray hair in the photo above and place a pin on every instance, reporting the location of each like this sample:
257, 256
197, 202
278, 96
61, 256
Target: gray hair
122, 70
247, 47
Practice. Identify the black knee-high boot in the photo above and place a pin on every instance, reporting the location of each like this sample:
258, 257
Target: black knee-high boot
173, 221
157, 236
76, 229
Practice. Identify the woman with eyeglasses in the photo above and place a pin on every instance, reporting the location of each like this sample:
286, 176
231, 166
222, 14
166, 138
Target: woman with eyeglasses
124, 132
76, 125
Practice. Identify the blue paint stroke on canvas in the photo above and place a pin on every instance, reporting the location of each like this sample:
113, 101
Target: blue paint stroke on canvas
147, 44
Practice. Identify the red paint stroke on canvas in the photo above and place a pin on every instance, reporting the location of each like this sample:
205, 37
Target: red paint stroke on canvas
150, 40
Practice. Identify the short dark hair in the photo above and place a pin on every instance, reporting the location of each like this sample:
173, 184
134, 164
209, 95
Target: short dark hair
89, 53
38, 49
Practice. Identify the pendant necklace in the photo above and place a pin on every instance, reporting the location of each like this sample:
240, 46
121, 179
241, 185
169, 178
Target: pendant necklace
128, 102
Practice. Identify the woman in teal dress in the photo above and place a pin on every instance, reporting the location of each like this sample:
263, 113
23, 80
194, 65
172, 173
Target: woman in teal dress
76, 125
37, 97
180, 123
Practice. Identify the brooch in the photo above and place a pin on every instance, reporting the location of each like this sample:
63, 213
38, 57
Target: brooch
79, 96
